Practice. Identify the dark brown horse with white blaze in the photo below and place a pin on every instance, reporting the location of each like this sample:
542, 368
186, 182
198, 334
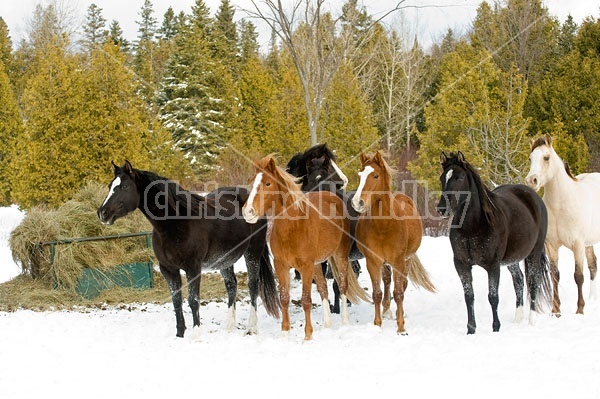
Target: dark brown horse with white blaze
388, 232
306, 230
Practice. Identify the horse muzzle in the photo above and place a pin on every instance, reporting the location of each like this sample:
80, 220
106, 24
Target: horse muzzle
250, 215
533, 182
359, 206
104, 217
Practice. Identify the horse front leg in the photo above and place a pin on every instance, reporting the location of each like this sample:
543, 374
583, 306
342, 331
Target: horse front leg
517, 278
283, 276
465, 274
552, 253
230, 281
592, 265
307, 271
173, 279
493, 283
374, 268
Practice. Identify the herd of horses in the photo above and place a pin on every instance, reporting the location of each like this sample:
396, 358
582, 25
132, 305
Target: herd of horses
301, 216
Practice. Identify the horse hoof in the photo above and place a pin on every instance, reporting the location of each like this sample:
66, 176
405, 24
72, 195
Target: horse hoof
402, 333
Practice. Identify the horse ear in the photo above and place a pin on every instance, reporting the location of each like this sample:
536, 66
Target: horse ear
363, 158
128, 168
461, 157
548, 138
115, 167
443, 157
531, 142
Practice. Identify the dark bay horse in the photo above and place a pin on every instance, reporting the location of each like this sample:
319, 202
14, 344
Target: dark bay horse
307, 228
491, 229
388, 232
195, 233
317, 170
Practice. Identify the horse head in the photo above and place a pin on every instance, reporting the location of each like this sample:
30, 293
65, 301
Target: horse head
375, 179
272, 186
454, 182
542, 162
123, 195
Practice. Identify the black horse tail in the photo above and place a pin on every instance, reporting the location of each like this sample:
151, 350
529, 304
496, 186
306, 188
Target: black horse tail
539, 281
267, 288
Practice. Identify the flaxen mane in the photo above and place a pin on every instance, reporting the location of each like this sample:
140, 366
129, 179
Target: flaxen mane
288, 182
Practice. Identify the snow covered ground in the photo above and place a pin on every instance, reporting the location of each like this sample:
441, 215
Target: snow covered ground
134, 353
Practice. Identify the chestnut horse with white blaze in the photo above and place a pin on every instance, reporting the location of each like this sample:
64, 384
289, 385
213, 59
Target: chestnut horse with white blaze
388, 232
306, 230
573, 216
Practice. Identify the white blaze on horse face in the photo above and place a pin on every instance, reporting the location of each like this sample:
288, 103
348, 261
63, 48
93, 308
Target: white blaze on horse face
248, 210
363, 179
115, 183
340, 174
449, 175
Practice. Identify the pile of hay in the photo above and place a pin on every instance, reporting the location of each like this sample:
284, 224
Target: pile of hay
76, 218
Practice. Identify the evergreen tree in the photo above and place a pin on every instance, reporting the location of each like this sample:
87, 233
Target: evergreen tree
144, 52
225, 37
479, 111
168, 29
190, 105
10, 132
115, 36
6, 56
94, 28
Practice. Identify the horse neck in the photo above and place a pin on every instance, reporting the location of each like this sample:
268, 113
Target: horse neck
382, 203
475, 207
560, 186
157, 216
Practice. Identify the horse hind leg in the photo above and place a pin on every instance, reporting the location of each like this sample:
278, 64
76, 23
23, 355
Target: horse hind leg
592, 265
579, 253
386, 273
400, 274
321, 284
552, 253
517, 278
230, 281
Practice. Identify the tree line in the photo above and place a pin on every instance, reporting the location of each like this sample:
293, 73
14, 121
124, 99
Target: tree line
195, 98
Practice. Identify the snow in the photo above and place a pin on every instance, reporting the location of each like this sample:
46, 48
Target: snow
133, 352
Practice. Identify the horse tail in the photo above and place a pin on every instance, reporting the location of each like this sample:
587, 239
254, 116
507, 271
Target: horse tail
418, 275
355, 293
538, 278
267, 288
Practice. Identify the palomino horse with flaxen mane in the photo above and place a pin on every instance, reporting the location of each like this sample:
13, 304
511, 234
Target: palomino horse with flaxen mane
491, 229
306, 230
388, 232
195, 233
573, 216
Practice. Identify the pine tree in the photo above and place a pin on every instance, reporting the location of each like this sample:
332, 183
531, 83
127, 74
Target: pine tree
226, 38
115, 36
144, 52
168, 29
94, 28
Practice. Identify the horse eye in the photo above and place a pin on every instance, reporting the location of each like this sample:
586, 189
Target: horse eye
268, 184
546, 158
376, 176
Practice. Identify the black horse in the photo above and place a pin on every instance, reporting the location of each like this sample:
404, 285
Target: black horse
491, 229
317, 170
195, 233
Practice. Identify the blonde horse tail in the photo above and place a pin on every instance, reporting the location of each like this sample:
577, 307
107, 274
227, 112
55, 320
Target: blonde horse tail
355, 293
418, 275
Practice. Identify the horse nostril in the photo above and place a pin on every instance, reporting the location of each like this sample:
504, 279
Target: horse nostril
534, 181
361, 203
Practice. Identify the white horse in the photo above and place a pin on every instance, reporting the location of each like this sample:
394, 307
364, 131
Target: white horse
573, 213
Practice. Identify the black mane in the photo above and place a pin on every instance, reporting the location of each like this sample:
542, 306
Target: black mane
297, 165
485, 195
178, 198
